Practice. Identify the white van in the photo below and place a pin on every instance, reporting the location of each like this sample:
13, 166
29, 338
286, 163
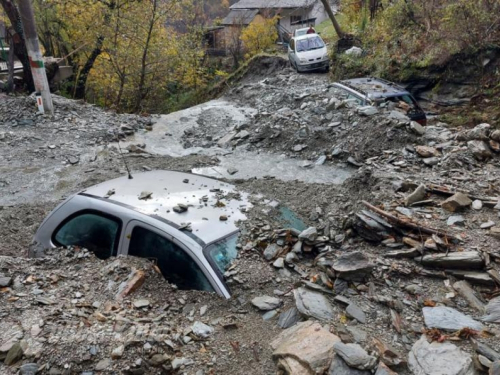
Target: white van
308, 52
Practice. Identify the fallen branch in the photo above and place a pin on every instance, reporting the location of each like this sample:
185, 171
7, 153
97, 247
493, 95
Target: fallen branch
402, 223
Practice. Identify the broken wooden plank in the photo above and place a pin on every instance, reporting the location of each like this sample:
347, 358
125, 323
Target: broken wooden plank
465, 260
395, 220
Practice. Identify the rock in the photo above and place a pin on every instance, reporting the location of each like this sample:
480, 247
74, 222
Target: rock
201, 329
29, 369
242, 134
478, 133
495, 232
5, 281
354, 51
495, 368
309, 234
358, 334
455, 220
417, 196
232, 171
289, 318
486, 351
352, 266
480, 150
355, 356
447, 318
225, 141
354, 312
353, 161
477, 204
177, 363
397, 115
269, 315
158, 359
417, 128
306, 348
488, 225
492, 311
457, 260
223, 217
313, 304
431, 161
298, 148
321, 160
279, 263
133, 283
103, 364
494, 145
145, 195
439, 358
427, 151
464, 289
367, 111
474, 277
117, 352
266, 303
138, 303
382, 369
456, 202
495, 135
339, 367
15, 353
271, 251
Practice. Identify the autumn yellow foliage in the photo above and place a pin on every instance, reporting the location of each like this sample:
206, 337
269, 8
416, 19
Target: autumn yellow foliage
259, 36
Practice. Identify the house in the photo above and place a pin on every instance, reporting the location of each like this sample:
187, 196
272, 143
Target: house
294, 14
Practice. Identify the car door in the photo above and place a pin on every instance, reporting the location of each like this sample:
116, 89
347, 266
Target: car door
291, 51
177, 263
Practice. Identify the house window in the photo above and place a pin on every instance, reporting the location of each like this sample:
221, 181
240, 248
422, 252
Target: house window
174, 263
295, 19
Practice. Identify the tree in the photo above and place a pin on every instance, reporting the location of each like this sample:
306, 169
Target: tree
259, 36
18, 42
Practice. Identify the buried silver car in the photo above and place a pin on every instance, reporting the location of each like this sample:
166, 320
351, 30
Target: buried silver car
185, 223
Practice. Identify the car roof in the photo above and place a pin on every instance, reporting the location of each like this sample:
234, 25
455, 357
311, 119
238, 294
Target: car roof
306, 36
168, 189
374, 87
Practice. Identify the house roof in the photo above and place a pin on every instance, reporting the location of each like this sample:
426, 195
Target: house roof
240, 17
272, 4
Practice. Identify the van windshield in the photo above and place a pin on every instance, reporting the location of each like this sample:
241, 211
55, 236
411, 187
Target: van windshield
309, 44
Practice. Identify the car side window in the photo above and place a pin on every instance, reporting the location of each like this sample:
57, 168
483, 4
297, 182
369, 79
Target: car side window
96, 232
174, 263
357, 98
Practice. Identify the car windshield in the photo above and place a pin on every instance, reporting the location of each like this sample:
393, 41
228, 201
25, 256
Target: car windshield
309, 44
223, 252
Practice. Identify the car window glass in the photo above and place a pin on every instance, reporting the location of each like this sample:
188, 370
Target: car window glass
358, 100
224, 252
292, 44
92, 231
174, 263
309, 44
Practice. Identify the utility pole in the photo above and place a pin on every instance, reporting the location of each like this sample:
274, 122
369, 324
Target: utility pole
35, 56
336, 25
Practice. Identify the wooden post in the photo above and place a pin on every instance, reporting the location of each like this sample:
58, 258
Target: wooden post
35, 55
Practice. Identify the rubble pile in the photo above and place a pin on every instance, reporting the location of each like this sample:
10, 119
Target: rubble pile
394, 271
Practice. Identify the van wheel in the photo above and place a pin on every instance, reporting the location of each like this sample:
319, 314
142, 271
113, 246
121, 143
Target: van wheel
327, 69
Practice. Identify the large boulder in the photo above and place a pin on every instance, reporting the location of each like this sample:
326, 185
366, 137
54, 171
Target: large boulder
439, 358
313, 304
304, 349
